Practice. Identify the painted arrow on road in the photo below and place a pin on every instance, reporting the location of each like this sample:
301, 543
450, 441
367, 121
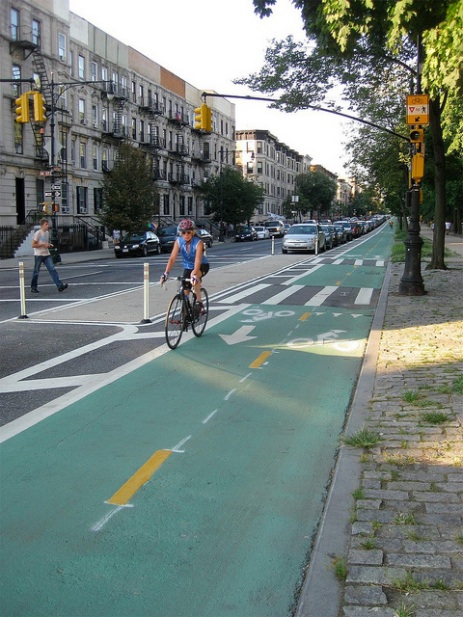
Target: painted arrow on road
239, 336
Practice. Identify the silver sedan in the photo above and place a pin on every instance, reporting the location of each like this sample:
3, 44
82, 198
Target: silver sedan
304, 237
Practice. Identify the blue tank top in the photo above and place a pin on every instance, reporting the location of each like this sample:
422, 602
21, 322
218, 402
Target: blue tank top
189, 257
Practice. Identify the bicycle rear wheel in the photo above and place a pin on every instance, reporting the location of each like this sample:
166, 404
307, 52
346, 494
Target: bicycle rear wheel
201, 315
173, 326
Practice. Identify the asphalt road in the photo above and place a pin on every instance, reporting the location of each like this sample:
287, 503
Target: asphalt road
191, 482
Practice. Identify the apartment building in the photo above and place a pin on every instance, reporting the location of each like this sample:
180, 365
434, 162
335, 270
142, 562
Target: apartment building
271, 164
98, 93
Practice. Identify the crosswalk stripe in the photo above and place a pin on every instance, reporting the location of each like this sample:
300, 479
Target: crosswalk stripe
322, 295
289, 291
244, 294
364, 296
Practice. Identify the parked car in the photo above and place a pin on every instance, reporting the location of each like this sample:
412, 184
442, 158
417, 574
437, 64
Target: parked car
167, 236
246, 233
335, 235
303, 237
262, 232
347, 230
275, 228
205, 236
329, 236
341, 232
139, 243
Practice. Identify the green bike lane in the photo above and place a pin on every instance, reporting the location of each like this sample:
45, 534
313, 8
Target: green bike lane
235, 435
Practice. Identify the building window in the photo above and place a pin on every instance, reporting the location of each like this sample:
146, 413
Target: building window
81, 194
124, 85
62, 46
104, 120
134, 128
95, 157
93, 71
104, 160
35, 32
81, 67
104, 74
94, 116
14, 24
83, 155
73, 151
16, 74
18, 137
98, 199
142, 131
141, 94
82, 111
134, 92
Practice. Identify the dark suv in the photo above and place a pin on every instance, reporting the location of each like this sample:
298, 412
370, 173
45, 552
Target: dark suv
167, 237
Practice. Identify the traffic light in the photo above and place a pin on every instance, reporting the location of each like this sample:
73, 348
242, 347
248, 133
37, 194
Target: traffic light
39, 107
417, 166
203, 118
207, 118
416, 136
22, 108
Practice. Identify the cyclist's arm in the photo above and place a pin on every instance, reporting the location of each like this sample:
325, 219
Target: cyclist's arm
198, 260
172, 258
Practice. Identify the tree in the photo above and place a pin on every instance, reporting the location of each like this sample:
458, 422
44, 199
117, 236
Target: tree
316, 193
353, 42
129, 195
230, 198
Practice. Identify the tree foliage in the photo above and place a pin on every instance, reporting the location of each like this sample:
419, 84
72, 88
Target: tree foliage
129, 195
316, 193
371, 47
230, 198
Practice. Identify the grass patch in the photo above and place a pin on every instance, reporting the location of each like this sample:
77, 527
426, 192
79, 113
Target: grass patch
405, 611
362, 439
404, 518
398, 248
435, 417
408, 583
369, 544
339, 567
458, 385
358, 493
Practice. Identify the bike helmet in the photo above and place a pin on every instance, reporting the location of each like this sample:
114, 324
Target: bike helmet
186, 225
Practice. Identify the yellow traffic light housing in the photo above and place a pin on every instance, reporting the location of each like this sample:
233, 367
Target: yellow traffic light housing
22, 108
39, 107
416, 136
203, 118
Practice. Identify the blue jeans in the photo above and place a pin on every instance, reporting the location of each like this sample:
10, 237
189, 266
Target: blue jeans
48, 261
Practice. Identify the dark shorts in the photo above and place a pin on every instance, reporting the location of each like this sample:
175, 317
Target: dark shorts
187, 273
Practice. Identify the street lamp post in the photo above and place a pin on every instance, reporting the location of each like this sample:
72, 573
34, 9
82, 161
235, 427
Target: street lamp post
55, 189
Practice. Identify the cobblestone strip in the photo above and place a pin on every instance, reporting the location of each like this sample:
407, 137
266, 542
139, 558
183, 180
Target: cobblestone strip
406, 549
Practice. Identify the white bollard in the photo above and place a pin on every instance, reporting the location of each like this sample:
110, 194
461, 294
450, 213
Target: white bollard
146, 293
316, 245
22, 291
273, 245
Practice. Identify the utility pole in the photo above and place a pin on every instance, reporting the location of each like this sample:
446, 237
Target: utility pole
411, 283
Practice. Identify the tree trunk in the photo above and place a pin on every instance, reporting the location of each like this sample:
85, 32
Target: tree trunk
438, 244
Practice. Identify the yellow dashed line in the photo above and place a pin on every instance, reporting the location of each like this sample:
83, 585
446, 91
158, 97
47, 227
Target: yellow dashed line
140, 477
260, 359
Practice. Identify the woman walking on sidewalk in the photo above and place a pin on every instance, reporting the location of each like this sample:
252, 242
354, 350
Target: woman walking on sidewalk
41, 245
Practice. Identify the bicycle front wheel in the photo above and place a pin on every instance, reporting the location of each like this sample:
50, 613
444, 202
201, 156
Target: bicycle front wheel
174, 324
201, 314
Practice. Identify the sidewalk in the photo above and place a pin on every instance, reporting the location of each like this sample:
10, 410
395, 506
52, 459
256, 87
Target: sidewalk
392, 530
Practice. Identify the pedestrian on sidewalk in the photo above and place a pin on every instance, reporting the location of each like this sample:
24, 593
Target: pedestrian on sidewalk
41, 245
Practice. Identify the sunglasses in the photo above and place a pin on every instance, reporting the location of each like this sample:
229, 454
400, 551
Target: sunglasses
187, 232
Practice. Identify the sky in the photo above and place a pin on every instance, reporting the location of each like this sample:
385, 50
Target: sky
209, 43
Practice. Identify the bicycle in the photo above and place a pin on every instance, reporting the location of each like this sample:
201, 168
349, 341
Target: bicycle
184, 310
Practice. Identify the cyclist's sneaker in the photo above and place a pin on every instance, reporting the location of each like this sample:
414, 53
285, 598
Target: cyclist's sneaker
199, 309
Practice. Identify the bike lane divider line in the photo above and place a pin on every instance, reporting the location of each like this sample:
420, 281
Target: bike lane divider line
260, 360
122, 496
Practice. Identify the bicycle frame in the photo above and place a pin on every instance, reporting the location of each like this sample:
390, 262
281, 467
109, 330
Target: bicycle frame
184, 311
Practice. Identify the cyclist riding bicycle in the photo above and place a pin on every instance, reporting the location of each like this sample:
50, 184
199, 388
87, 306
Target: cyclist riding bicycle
191, 248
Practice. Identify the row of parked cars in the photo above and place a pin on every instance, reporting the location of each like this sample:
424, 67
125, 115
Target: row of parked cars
145, 242
267, 229
319, 237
